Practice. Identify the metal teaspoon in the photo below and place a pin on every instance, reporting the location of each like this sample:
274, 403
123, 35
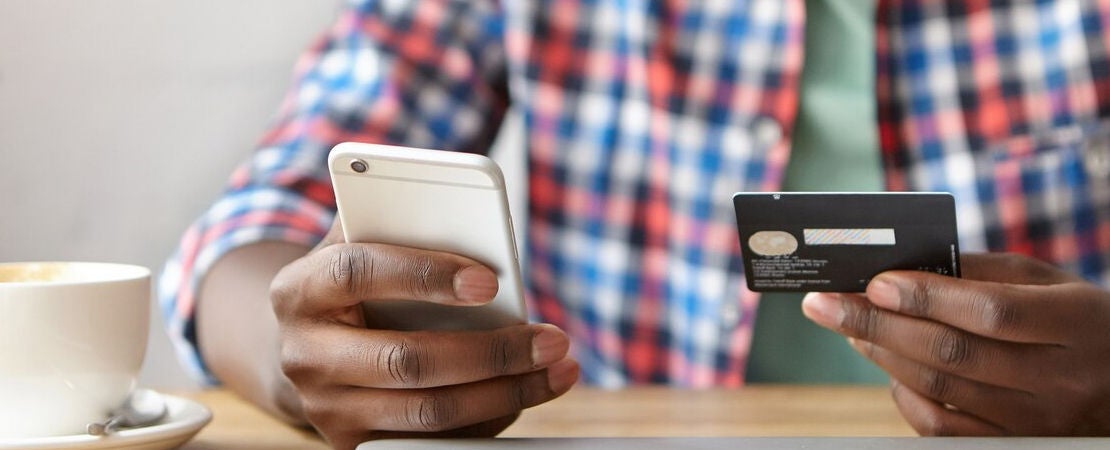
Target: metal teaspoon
143, 407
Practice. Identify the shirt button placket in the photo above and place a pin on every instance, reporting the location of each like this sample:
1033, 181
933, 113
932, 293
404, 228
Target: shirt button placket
766, 132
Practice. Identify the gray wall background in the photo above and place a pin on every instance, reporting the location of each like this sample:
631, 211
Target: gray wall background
120, 120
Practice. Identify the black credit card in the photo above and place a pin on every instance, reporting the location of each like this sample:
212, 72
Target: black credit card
836, 242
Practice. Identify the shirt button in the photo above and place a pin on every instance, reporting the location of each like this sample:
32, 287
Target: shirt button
1096, 157
730, 314
766, 132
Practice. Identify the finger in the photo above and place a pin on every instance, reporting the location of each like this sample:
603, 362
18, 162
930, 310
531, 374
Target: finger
999, 404
340, 355
489, 428
1019, 313
931, 418
931, 343
1012, 268
443, 408
343, 275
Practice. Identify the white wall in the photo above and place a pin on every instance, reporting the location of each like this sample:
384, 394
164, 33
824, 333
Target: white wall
121, 119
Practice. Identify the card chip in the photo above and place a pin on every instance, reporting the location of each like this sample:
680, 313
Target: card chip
849, 236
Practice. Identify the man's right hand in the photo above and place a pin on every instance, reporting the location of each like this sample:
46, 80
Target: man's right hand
357, 384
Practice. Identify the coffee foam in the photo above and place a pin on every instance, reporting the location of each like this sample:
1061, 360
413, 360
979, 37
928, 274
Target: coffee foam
61, 272
34, 272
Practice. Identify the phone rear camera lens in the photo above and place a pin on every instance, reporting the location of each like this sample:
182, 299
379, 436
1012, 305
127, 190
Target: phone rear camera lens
359, 166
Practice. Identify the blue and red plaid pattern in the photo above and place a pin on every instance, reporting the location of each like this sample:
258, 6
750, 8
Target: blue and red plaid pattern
643, 117
1004, 104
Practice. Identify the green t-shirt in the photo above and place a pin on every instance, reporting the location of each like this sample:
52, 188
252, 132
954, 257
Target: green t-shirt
835, 149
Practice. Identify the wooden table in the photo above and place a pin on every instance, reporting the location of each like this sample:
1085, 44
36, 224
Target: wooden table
654, 411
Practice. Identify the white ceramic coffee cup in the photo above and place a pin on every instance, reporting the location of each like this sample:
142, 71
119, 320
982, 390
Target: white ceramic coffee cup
72, 340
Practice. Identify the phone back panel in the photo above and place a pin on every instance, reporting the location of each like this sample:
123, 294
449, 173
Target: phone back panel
433, 200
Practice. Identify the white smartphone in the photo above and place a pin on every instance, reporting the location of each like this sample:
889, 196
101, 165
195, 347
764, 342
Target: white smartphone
433, 200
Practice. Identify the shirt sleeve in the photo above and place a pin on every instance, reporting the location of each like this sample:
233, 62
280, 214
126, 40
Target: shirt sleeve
428, 73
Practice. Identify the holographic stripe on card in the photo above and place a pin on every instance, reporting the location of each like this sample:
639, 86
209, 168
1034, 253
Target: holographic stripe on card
849, 236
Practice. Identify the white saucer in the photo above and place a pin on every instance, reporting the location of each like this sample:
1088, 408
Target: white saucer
184, 419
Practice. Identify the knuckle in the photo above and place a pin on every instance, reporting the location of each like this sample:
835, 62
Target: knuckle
350, 268
519, 394
283, 294
295, 364
501, 355
865, 322
951, 348
401, 360
433, 412
998, 315
280, 290
935, 384
427, 277
917, 302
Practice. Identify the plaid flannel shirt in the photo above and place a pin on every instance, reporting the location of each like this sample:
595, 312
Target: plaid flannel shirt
643, 117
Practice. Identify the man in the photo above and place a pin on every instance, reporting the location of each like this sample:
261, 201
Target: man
642, 119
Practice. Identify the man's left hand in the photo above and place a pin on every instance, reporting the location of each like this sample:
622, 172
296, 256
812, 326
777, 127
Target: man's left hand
1016, 347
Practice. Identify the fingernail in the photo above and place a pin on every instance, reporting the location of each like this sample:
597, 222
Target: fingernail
562, 375
548, 345
825, 309
884, 294
475, 284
